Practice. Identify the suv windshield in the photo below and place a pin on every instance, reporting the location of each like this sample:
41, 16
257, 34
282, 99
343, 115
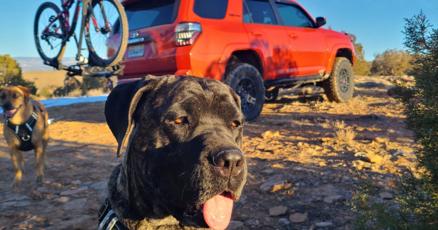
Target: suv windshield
150, 13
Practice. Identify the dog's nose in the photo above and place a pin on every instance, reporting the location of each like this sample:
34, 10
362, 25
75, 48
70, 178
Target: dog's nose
8, 106
229, 162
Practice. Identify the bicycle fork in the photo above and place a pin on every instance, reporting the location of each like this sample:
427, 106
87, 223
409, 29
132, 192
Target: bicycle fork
84, 22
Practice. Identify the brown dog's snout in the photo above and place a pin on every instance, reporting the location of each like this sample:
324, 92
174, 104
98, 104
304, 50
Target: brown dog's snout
8, 106
229, 162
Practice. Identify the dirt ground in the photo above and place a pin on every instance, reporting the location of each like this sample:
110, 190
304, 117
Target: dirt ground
307, 158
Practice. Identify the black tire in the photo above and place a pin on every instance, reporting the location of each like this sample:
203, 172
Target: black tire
339, 87
247, 82
97, 59
272, 96
59, 51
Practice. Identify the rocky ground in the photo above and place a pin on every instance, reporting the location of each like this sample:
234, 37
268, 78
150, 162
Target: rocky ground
307, 158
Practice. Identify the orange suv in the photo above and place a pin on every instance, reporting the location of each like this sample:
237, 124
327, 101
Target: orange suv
255, 46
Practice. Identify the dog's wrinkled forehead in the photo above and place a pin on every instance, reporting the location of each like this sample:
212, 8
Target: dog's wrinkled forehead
194, 95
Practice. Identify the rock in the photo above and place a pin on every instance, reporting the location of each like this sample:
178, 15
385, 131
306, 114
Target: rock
76, 182
283, 186
277, 211
43, 190
333, 198
271, 149
252, 222
17, 197
398, 153
73, 191
362, 156
271, 181
57, 185
298, 217
326, 190
14, 204
268, 171
283, 221
362, 165
386, 196
271, 135
77, 204
394, 158
36, 195
324, 224
235, 225
63, 199
380, 140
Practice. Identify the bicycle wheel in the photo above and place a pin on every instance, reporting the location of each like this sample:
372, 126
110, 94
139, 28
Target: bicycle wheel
107, 33
49, 33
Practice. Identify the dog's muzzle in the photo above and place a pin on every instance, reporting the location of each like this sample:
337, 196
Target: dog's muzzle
229, 163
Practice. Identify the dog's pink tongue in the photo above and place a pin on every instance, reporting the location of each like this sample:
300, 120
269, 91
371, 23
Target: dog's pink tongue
11, 112
217, 212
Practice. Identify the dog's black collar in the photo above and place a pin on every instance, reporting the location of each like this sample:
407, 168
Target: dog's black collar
24, 131
108, 218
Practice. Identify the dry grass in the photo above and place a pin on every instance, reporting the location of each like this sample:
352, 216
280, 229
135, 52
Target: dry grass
344, 135
44, 79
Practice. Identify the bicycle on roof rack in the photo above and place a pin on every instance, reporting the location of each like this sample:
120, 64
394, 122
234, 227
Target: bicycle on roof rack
101, 21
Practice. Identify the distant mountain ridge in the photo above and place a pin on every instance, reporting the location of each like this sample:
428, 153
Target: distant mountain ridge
30, 64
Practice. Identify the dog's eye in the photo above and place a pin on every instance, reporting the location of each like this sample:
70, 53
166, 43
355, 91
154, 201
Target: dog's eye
235, 124
181, 121
15, 96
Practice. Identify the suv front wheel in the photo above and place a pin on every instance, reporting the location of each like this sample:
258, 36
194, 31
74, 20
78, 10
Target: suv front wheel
339, 87
247, 82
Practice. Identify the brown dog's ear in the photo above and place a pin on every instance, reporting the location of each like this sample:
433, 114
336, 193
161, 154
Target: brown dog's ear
25, 91
122, 104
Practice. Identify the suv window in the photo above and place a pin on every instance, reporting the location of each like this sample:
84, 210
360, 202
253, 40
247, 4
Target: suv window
211, 9
293, 15
150, 13
259, 11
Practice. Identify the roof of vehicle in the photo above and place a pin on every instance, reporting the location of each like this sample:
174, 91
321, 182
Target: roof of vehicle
131, 1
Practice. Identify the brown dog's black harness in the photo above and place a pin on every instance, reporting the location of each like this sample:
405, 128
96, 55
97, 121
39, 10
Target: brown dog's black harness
108, 218
24, 132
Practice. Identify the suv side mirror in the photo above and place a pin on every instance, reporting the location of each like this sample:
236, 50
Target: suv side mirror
320, 21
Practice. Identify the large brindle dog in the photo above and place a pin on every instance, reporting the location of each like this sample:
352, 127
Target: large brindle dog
183, 167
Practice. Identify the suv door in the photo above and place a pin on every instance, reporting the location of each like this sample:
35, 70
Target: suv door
307, 44
267, 37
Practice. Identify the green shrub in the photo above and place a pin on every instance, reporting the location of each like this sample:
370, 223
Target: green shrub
422, 42
391, 63
361, 67
416, 204
11, 74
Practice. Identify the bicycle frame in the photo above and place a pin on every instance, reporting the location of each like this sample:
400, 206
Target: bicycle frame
70, 29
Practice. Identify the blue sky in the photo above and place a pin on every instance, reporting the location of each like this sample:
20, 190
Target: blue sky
377, 24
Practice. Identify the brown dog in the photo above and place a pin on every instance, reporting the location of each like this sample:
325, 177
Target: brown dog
25, 128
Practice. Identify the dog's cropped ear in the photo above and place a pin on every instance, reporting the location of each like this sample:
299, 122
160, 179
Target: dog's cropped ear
122, 104
25, 91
